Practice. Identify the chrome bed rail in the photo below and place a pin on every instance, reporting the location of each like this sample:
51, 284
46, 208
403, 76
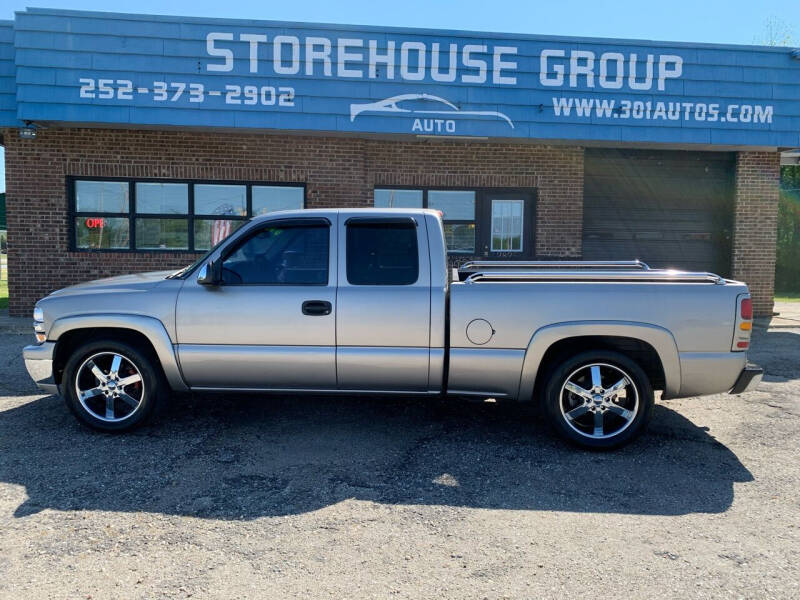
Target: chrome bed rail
475, 266
621, 276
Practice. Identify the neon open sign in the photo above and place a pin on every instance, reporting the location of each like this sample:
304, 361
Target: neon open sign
94, 222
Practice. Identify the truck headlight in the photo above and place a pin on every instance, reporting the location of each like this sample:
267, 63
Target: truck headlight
38, 325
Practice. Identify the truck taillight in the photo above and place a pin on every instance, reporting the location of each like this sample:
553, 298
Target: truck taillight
746, 309
743, 324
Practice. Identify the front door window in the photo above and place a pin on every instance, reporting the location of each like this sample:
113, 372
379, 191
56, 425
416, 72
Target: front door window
288, 255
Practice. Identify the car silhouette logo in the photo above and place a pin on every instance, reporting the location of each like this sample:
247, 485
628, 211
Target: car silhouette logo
390, 105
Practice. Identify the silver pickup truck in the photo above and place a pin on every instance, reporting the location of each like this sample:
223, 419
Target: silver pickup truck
362, 301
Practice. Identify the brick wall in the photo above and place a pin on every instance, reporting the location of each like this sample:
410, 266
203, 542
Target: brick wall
338, 172
755, 225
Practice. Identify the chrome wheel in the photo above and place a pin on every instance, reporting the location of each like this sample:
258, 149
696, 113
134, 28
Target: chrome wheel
599, 401
109, 386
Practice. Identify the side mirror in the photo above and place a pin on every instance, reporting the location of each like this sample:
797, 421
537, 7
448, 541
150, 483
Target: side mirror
209, 274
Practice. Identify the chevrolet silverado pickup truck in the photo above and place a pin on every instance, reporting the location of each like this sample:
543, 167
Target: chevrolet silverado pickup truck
361, 301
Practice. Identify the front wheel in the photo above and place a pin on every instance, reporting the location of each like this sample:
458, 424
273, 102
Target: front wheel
600, 399
111, 385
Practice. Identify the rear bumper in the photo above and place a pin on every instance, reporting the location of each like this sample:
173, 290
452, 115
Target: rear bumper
749, 378
39, 363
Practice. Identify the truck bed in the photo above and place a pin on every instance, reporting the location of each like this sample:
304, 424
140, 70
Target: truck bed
688, 316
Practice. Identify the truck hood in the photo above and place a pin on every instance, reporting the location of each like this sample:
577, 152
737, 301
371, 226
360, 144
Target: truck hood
138, 282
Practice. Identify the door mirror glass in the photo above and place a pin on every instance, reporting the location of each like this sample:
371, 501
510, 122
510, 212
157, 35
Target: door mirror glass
208, 274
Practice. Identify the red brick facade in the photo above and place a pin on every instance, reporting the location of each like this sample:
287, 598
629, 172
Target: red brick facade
755, 225
338, 172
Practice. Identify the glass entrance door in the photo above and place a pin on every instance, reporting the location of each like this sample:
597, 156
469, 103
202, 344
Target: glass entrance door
509, 225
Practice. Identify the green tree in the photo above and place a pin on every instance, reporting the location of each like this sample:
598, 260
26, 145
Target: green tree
787, 269
778, 32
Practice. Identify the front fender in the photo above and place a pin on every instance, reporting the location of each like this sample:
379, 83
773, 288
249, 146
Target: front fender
151, 328
658, 337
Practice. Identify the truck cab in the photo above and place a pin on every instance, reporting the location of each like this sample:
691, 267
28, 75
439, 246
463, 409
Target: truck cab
331, 301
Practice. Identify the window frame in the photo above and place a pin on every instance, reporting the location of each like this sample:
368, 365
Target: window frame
132, 215
483, 197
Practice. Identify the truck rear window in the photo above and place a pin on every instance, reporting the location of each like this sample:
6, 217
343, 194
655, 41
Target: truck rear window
382, 253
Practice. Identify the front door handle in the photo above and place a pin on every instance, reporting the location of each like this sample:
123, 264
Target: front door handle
317, 307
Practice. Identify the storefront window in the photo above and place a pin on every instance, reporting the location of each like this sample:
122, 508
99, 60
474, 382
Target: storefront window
483, 221
398, 198
269, 198
101, 196
458, 214
102, 233
454, 204
162, 198
460, 237
209, 232
213, 199
162, 234
169, 215
457, 208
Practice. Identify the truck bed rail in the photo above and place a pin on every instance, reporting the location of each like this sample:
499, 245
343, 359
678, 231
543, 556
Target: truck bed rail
630, 276
475, 266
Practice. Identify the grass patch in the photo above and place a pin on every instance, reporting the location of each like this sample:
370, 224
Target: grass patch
787, 297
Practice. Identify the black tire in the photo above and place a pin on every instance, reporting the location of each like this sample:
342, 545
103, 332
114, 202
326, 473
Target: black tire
150, 390
622, 419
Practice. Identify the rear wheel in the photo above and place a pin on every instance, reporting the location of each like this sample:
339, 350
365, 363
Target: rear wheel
111, 385
600, 399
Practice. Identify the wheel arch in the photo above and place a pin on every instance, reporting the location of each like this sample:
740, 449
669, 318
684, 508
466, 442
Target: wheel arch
69, 332
651, 346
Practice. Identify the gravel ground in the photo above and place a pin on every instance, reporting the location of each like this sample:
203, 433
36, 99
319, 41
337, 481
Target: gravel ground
248, 497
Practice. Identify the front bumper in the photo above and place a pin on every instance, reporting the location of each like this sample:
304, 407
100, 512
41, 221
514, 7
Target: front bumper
749, 378
39, 362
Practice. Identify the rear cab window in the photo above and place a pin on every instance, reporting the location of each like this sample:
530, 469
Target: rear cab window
382, 251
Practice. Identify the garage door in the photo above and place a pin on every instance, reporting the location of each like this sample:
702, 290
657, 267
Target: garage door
667, 208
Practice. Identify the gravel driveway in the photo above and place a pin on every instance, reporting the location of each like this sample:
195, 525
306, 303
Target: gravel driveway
274, 497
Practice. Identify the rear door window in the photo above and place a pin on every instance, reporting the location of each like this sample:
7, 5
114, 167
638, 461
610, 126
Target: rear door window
382, 253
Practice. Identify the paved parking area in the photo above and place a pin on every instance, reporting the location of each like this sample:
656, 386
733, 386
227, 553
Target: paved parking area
253, 497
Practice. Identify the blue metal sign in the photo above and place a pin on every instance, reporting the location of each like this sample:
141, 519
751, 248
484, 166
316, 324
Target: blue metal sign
137, 70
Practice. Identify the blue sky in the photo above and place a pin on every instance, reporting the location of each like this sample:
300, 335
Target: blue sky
715, 21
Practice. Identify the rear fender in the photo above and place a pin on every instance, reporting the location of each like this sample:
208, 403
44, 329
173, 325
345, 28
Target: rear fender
658, 337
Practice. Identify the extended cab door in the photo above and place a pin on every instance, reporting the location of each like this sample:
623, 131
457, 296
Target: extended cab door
383, 303
270, 324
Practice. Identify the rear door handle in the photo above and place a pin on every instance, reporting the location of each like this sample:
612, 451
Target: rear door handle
317, 307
